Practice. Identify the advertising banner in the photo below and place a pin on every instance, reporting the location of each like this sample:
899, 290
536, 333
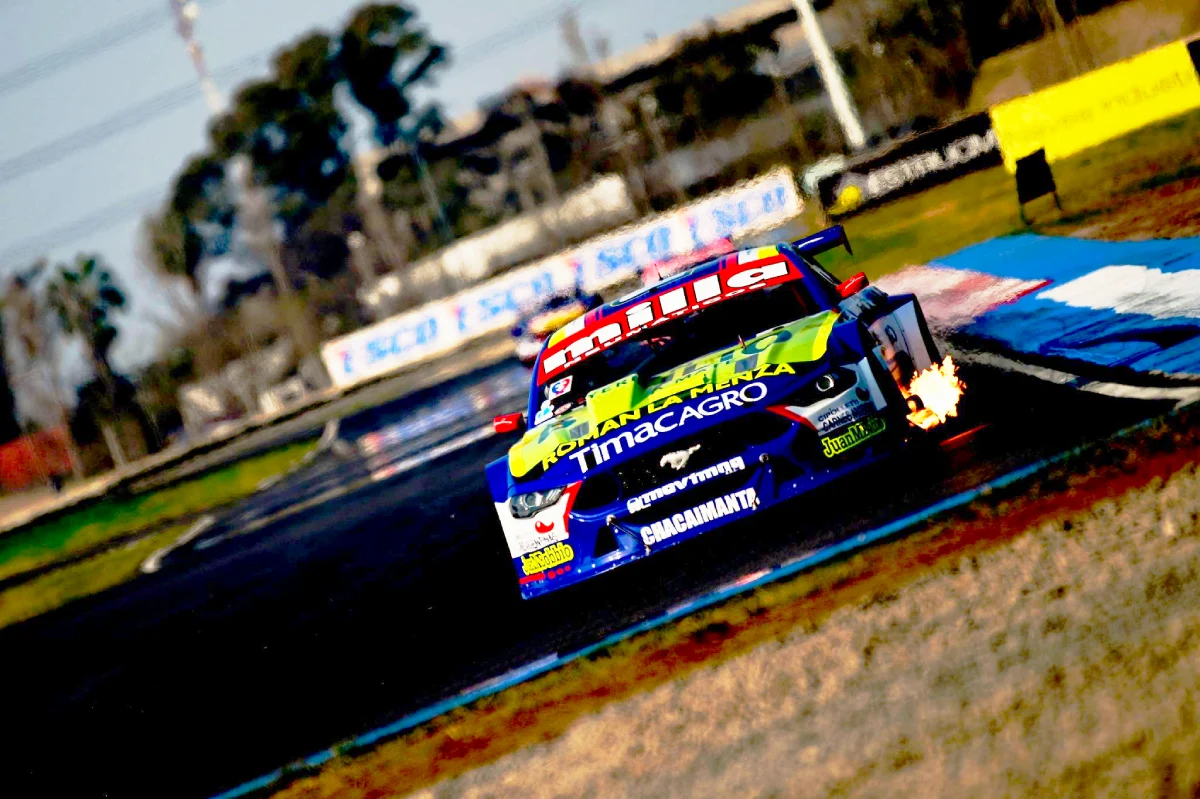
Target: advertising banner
442, 326
1098, 106
927, 159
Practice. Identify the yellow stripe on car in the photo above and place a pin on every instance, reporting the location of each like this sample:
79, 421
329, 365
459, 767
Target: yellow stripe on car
624, 401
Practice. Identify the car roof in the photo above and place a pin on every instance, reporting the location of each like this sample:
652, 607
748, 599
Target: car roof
755, 260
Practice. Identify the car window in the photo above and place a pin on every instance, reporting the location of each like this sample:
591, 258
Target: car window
663, 347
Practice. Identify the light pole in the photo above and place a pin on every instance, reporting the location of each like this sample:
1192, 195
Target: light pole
253, 203
831, 76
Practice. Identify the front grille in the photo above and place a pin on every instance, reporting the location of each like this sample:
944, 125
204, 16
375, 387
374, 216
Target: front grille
715, 445
598, 491
681, 501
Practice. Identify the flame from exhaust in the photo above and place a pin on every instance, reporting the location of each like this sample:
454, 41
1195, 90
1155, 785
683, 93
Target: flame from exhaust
939, 390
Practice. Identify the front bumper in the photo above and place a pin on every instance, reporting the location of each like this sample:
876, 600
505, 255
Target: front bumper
728, 473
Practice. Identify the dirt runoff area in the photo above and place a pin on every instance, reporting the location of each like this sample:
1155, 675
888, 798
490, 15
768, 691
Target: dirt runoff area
1065, 662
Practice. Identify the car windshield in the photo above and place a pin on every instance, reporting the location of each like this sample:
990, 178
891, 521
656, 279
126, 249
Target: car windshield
685, 338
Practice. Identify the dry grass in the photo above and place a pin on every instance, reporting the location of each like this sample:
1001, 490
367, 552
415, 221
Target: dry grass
1107, 187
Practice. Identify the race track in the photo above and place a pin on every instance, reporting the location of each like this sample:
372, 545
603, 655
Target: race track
252, 648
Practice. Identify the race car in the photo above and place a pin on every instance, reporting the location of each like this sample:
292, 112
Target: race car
545, 317
701, 400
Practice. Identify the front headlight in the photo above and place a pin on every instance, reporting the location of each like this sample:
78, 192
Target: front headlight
825, 386
525, 505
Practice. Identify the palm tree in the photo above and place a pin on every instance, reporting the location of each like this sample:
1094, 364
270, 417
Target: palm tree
83, 297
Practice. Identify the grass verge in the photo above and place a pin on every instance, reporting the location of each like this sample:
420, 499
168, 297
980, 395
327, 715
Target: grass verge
80, 579
980, 206
42, 543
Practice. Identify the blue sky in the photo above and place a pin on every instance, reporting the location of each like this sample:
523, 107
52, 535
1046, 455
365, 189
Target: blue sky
133, 167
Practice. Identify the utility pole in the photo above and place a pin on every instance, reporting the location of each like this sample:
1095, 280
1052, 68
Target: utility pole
610, 121
649, 106
831, 76
254, 206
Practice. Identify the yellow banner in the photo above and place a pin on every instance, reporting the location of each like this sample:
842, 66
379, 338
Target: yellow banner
1070, 117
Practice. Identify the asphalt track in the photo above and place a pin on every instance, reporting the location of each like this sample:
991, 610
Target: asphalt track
277, 632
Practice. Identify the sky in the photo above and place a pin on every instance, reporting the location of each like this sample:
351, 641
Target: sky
65, 167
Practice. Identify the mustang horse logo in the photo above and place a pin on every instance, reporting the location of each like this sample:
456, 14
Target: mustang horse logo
678, 460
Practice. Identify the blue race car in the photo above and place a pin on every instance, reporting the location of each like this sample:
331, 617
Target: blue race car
703, 399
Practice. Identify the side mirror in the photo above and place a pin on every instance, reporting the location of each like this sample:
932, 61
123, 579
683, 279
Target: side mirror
851, 286
509, 423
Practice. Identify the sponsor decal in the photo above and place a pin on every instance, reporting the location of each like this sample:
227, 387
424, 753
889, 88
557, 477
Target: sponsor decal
852, 409
591, 432
854, 435
597, 453
545, 412
641, 503
711, 511
559, 387
548, 526
548, 558
581, 341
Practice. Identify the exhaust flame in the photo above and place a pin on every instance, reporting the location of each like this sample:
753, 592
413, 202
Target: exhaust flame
939, 390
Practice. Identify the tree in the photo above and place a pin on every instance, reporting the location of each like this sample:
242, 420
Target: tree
84, 298
713, 80
383, 56
27, 323
291, 131
198, 220
9, 429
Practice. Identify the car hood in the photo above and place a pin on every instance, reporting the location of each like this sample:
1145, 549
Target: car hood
624, 403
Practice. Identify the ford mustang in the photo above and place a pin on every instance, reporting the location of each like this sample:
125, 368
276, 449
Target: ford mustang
701, 400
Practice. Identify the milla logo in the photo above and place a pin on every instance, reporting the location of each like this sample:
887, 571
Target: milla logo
679, 459
583, 342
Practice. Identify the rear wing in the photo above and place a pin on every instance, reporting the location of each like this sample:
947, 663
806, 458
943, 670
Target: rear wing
823, 241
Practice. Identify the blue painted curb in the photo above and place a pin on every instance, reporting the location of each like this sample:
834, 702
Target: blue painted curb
742, 586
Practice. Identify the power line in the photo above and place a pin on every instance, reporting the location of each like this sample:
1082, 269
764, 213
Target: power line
128, 27
42, 156
54, 151
34, 246
526, 28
